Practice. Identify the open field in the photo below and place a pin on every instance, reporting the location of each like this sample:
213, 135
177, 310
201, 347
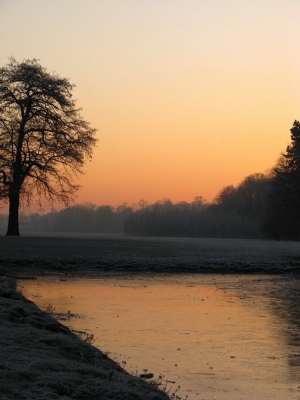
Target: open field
118, 254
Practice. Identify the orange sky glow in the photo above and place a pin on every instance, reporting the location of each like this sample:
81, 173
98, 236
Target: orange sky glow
187, 96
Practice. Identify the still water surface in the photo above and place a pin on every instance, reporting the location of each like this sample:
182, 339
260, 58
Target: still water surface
215, 336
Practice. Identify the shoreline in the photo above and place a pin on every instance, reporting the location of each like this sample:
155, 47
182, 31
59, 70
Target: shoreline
43, 360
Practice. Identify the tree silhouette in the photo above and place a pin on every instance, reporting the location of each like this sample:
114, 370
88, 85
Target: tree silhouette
44, 141
282, 219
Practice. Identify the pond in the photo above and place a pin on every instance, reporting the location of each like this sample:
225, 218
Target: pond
215, 336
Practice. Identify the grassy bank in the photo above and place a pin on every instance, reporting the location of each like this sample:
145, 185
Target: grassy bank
43, 360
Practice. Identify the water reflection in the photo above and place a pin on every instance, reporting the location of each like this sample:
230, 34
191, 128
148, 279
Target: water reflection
218, 337
285, 303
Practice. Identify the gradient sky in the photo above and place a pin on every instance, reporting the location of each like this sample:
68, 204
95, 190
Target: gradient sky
188, 96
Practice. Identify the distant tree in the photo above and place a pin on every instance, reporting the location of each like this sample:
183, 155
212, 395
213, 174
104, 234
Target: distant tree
251, 195
248, 198
77, 218
142, 204
282, 220
226, 199
198, 201
44, 141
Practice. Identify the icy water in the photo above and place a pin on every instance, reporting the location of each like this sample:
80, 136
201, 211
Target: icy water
215, 336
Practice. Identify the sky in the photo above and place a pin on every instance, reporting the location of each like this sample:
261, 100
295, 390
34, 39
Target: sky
188, 96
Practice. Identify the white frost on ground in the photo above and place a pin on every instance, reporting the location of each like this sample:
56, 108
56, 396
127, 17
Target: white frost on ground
83, 253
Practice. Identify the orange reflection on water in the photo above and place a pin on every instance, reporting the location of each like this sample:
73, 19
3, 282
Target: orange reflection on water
210, 337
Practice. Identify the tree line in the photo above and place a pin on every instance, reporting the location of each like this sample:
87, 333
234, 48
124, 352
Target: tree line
80, 218
263, 205
235, 213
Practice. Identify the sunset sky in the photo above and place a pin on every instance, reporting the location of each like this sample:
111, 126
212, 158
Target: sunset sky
188, 96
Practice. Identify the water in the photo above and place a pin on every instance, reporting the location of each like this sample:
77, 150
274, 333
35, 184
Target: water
215, 336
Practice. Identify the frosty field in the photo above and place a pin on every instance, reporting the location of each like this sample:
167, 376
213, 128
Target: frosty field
112, 253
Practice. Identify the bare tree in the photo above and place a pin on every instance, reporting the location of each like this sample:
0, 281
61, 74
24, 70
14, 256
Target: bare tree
44, 141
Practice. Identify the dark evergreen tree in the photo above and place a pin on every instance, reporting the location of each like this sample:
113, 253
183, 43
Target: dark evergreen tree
282, 219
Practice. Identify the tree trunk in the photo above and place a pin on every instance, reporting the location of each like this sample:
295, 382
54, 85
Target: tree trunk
13, 216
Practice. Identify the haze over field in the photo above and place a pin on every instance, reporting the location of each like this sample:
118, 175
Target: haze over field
188, 96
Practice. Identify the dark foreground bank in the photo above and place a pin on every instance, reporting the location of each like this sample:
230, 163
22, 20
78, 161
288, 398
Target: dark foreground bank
43, 360
125, 254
